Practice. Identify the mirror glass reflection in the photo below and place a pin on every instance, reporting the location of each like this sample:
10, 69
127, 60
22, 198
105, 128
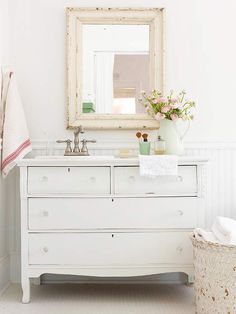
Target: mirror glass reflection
115, 68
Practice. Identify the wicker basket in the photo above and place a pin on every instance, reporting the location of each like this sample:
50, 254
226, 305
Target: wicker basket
215, 277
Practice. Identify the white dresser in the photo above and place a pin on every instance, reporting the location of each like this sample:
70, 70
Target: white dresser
96, 216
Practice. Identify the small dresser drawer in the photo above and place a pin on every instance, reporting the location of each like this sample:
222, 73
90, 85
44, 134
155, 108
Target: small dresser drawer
128, 181
116, 213
113, 249
69, 180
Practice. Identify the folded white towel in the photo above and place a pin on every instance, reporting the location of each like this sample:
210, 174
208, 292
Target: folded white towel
158, 165
225, 225
16, 142
206, 235
225, 230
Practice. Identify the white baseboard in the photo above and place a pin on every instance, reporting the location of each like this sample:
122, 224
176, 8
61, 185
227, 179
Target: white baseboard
4, 273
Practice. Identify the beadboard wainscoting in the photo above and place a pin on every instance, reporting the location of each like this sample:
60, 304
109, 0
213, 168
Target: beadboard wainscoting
221, 192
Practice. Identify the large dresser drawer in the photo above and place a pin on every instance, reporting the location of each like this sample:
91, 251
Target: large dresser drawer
128, 181
97, 249
101, 213
69, 180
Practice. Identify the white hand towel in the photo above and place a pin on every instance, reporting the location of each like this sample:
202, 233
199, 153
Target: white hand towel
16, 143
225, 225
158, 165
225, 230
205, 235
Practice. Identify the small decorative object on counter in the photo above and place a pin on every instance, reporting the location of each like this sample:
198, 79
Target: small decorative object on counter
174, 112
144, 146
125, 153
160, 146
139, 135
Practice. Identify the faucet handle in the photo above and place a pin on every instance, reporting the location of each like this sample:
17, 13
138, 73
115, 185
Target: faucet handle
89, 141
68, 145
64, 141
84, 148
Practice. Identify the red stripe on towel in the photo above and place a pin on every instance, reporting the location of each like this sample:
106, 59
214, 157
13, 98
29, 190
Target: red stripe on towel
15, 154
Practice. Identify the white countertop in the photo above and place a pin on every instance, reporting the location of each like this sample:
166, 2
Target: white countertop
97, 161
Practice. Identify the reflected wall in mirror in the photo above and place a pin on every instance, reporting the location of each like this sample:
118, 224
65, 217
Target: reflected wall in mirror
115, 68
113, 54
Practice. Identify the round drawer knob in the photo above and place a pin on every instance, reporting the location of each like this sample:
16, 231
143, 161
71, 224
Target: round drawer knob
179, 249
180, 179
131, 178
45, 213
45, 249
92, 179
180, 212
44, 179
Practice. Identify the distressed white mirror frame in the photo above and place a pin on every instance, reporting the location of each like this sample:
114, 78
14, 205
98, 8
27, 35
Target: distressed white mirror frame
76, 17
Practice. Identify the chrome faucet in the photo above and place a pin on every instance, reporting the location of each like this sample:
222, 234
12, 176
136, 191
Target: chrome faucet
76, 151
77, 132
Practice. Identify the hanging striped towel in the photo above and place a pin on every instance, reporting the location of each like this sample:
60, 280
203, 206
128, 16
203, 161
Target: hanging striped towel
4, 83
16, 143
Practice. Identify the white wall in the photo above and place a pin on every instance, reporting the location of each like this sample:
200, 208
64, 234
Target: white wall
200, 58
4, 256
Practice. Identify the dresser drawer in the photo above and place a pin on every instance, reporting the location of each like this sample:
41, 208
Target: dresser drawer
97, 249
69, 180
104, 213
128, 181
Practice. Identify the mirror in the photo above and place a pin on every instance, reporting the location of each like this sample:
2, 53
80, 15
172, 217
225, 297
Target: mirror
113, 55
115, 68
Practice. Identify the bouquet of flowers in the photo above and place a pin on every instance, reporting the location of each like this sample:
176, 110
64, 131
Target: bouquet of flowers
172, 107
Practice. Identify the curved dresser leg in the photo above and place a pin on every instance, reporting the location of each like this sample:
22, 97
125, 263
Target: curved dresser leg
25, 284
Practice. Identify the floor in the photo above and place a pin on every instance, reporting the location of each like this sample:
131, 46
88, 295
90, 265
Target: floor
100, 299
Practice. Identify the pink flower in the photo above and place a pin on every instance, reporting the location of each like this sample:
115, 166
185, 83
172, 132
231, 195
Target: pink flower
162, 100
175, 105
155, 101
165, 109
173, 100
174, 117
159, 116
